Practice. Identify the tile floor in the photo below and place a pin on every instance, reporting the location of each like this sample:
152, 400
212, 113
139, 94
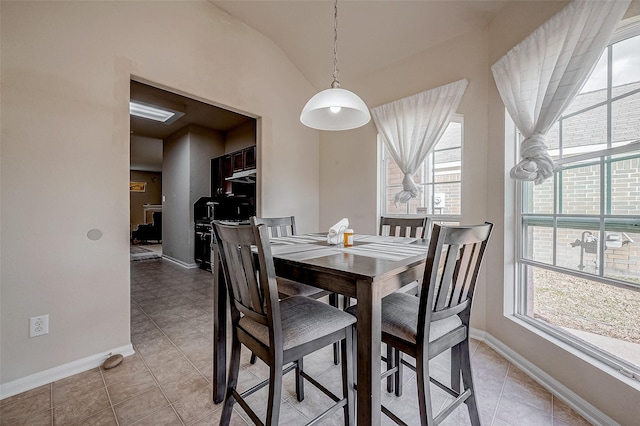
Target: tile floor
168, 380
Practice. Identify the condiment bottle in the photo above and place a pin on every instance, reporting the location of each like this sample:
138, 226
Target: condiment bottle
348, 237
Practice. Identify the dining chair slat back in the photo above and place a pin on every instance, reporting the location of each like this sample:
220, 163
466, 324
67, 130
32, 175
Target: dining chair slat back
414, 227
278, 226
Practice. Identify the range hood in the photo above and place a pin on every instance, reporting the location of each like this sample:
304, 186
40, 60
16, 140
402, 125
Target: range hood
245, 176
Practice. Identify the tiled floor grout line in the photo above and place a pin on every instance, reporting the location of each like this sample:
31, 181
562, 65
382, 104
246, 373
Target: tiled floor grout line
504, 382
106, 389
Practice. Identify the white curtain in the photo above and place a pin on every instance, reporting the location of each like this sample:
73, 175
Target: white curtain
539, 77
411, 126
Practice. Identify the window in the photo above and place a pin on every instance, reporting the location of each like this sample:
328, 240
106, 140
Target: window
579, 260
439, 179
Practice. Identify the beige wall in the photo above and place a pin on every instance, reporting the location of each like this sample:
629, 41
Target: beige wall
65, 73
240, 137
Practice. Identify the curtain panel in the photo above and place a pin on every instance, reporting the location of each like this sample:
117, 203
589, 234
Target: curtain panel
411, 126
541, 76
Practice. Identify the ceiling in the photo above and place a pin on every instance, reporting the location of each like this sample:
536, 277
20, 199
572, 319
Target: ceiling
371, 34
195, 112
147, 135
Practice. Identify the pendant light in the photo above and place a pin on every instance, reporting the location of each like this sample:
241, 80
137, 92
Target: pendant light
335, 108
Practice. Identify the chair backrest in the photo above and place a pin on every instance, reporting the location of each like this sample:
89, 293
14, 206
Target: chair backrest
250, 278
277, 226
415, 227
453, 262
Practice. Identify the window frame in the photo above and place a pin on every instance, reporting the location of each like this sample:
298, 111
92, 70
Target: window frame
604, 158
383, 155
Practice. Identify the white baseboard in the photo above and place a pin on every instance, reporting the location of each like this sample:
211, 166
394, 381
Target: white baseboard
60, 372
180, 262
573, 400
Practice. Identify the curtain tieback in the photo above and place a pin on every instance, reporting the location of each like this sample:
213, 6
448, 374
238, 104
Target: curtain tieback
536, 164
409, 190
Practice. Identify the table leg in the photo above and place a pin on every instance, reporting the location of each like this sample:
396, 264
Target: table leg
219, 328
369, 345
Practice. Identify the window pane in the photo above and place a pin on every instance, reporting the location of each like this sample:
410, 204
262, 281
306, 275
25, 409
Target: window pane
390, 206
577, 249
450, 198
553, 139
585, 130
625, 187
539, 198
426, 199
625, 119
595, 89
622, 256
538, 243
451, 138
626, 65
394, 174
447, 156
581, 190
601, 314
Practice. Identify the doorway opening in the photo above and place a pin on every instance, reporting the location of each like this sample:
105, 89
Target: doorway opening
171, 159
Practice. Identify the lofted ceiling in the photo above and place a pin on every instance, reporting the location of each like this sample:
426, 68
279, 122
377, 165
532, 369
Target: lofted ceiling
372, 34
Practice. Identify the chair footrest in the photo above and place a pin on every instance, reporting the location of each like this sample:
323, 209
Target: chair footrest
397, 420
454, 404
265, 382
320, 387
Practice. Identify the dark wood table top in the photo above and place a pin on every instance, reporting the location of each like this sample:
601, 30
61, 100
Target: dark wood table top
371, 258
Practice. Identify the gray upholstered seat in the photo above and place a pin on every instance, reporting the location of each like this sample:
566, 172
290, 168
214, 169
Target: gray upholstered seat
400, 318
303, 320
277, 331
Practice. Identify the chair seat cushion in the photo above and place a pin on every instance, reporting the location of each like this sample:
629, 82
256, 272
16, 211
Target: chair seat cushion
400, 318
288, 288
303, 320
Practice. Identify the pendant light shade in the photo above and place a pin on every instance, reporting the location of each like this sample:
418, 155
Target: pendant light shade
335, 108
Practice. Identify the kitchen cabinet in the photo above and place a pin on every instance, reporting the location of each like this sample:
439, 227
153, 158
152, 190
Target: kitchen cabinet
221, 168
224, 166
238, 161
249, 157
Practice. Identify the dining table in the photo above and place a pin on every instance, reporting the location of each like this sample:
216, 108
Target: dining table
373, 267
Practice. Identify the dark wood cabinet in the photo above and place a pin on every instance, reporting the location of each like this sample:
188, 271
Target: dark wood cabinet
238, 161
249, 157
221, 168
224, 166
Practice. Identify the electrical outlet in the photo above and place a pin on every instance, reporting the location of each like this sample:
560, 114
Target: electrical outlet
38, 325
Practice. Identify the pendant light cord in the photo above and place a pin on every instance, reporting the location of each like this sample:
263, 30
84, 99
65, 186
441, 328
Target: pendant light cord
336, 83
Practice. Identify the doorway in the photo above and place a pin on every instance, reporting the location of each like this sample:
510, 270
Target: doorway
170, 166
